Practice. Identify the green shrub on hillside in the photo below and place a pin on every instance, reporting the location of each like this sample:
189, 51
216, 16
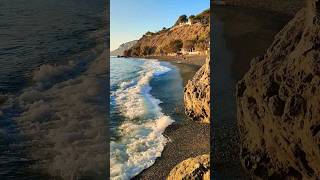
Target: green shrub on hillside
148, 50
192, 19
173, 47
149, 33
136, 50
127, 53
188, 44
203, 17
201, 45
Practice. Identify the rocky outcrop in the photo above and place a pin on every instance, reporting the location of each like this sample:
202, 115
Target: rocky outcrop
197, 95
123, 47
278, 104
192, 168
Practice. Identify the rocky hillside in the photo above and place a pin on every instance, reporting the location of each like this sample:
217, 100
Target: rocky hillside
156, 43
288, 7
278, 104
122, 48
197, 95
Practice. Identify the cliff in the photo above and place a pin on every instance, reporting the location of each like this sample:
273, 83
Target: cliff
195, 29
187, 32
123, 47
197, 95
278, 104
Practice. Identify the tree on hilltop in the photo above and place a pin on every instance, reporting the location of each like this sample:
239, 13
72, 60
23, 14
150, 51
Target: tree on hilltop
149, 33
181, 19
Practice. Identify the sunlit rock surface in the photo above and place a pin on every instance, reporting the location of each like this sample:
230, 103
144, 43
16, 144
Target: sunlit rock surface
197, 95
192, 168
278, 104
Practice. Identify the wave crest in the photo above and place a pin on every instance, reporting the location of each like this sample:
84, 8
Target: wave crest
142, 139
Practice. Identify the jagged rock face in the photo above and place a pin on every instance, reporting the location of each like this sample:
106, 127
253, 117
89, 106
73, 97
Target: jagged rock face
197, 95
192, 168
278, 105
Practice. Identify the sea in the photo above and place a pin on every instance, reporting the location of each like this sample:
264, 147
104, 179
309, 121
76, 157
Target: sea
43, 44
146, 96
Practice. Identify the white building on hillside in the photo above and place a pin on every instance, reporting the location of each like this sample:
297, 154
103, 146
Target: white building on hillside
186, 23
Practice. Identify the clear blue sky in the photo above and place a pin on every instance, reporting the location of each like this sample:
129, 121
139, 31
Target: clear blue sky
130, 19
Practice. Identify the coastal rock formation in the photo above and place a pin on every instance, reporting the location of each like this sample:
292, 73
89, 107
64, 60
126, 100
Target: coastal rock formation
278, 103
123, 47
192, 168
197, 95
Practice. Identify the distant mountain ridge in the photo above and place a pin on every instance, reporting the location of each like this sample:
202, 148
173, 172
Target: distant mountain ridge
122, 48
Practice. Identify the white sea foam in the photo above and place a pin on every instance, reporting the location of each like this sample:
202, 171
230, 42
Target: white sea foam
65, 124
132, 99
141, 141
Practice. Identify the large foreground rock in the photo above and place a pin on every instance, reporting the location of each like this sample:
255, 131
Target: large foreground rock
197, 94
192, 168
278, 104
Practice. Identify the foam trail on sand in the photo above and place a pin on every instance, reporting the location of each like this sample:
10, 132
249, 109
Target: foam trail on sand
141, 139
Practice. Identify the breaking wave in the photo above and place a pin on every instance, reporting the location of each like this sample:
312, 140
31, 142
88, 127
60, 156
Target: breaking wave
62, 117
141, 138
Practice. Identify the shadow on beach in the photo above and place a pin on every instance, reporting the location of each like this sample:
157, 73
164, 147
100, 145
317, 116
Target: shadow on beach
240, 34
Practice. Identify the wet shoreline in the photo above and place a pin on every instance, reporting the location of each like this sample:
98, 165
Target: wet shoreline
187, 137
